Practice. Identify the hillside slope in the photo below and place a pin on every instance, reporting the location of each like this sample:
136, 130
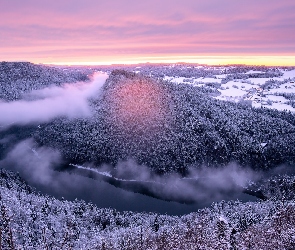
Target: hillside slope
172, 127
18, 78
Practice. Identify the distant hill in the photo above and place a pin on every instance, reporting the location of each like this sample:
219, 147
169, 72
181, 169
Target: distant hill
172, 127
18, 78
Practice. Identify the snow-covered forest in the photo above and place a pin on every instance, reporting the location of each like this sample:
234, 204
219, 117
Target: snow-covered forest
19, 78
30, 220
188, 130
153, 124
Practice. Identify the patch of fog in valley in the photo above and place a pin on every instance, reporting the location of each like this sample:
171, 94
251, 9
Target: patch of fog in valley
41, 106
36, 165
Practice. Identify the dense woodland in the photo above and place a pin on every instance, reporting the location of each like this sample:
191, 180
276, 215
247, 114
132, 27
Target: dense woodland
29, 220
188, 130
19, 78
195, 71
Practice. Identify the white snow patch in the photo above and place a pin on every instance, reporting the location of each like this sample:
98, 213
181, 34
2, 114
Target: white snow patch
175, 79
284, 88
231, 92
260, 81
208, 79
282, 106
221, 76
240, 85
254, 72
289, 74
257, 105
276, 98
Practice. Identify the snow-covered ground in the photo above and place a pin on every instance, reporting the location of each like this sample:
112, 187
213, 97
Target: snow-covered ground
284, 88
207, 79
254, 72
250, 89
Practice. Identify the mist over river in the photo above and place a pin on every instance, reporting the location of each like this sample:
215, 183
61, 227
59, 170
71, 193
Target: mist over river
72, 186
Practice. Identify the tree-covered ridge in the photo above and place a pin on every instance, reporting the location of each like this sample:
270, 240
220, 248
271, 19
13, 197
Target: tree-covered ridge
276, 187
18, 78
193, 130
29, 220
196, 70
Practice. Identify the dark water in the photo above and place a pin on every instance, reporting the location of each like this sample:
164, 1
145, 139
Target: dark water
105, 195
72, 186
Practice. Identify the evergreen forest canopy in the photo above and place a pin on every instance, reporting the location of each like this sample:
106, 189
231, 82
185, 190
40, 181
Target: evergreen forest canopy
171, 127
19, 78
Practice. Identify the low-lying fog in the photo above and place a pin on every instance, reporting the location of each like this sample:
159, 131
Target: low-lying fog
36, 164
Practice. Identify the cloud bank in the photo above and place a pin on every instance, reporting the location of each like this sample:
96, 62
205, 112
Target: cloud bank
64, 31
40, 106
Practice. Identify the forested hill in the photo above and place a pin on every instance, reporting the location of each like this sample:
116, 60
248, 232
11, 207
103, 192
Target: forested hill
18, 78
29, 220
171, 127
166, 126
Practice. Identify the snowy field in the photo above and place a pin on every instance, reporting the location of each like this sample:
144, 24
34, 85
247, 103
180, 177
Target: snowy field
251, 89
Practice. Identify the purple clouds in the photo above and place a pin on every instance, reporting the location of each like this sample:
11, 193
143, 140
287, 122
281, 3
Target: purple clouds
87, 31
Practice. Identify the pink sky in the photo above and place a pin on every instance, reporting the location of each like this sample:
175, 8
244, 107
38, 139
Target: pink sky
91, 31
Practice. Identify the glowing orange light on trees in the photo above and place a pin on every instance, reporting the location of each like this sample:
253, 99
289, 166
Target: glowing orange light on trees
139, 106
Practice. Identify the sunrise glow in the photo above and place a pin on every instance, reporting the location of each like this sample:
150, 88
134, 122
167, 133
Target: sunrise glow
127, 32
209, 60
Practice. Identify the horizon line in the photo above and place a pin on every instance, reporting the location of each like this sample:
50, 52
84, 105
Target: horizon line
218, 60
261, 60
